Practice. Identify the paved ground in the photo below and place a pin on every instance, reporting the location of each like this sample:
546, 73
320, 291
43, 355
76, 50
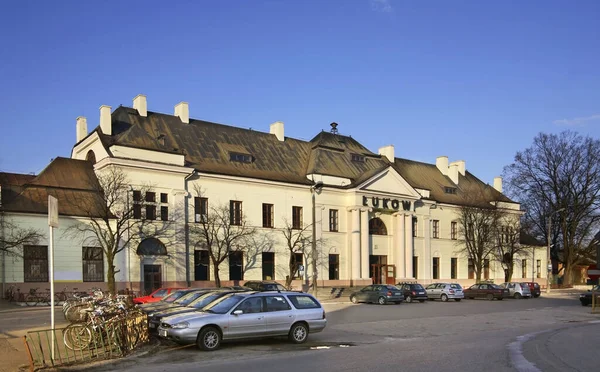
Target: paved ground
471, 335
468, 336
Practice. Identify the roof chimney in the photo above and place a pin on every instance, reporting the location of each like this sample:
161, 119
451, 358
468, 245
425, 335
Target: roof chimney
105, 120
81, 128
441, 162
461, 166
388, 152
498, 183
277, 130
182, 109
140, 104
453, 172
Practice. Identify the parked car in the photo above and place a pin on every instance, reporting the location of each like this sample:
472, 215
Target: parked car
378, 293
487, 291
264, 285
166, 301
201, 300
517, 290
154, 296
247, 315
586, 297
413, 292
445, 291
535, 289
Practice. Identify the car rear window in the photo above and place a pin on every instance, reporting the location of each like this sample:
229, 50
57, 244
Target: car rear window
455, 286
417, 287
304, 302
273, 287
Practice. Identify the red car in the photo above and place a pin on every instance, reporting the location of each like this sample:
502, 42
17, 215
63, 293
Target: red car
154, 296
534, 288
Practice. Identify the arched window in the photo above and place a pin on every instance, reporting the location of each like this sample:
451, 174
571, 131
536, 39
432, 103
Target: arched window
151, 247
377, 227
91, 157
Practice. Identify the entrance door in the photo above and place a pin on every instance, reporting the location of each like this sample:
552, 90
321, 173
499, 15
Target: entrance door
152, 278
383, 274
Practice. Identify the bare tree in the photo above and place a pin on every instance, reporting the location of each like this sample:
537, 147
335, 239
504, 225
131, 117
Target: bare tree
476, 224
255, 245
297, 241
507, 237
222, 232
14, 237
558, 178
112, 219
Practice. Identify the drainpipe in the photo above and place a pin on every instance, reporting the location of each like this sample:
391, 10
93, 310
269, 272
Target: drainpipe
187, 228
2, 246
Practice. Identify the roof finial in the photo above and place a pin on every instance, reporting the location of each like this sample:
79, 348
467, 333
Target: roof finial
334, 128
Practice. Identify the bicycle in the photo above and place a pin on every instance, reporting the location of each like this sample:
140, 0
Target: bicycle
10, 294
34, 298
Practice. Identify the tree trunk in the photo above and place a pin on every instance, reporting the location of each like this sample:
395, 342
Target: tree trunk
508, 273
568, 275
217, 277
478, 270
110, 276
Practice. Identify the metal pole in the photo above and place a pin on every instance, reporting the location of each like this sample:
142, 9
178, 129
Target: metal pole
314, 243
51, 262
548, 258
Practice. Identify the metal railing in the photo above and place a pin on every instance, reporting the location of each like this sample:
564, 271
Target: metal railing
79, 343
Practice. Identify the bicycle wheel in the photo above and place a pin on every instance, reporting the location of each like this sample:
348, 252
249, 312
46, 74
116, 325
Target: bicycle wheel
77, 336
31, 300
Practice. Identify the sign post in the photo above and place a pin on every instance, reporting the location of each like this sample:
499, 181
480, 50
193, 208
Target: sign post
52, 223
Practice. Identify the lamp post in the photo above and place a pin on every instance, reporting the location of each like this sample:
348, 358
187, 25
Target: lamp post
314, 189
548, 256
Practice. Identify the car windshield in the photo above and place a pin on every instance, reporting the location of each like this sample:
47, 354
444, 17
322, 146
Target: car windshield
596, 288
495, 286
174, 296
223, 304
273, 287
185, 300
204, 300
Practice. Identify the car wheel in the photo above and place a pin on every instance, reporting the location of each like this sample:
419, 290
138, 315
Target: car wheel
444, 298
298, 333
500, 298
353, 299
457, 299
490, 297
209, 339
584, 303
421, 301
517, 296
381, 300
408, 299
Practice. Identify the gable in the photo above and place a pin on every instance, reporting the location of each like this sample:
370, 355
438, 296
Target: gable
390, 182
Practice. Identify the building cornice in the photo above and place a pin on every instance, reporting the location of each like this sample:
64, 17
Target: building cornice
142, 165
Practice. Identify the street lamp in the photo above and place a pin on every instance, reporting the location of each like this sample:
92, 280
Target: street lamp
314, 189
548, 257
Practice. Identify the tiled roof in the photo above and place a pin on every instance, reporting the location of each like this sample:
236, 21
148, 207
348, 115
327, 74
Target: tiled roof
207, 147
72, 182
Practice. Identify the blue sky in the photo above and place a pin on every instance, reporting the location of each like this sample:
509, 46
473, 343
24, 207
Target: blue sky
473, 80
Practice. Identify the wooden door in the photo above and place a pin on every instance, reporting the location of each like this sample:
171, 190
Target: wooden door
152, 278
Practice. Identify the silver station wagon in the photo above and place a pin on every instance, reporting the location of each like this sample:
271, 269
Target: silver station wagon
247, 315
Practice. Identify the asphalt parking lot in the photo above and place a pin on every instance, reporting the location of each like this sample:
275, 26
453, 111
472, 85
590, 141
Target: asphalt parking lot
470, 335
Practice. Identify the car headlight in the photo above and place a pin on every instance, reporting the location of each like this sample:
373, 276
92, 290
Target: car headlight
150, 315
181, 325
581, 295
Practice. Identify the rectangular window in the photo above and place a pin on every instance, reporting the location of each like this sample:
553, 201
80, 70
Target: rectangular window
200, 209
150, 197
35, 263
486, 269
450, 190
453, 229
201, 265
523, 268
164, 213
334, 267
236, 266
453, 268
137, 196
267, 210
436, 268
242, 158
235, 212
299, 258
297, 218
471, 269
538, 268
358, 158
268, 266
151, 212
414, 227
333, 220
164, 198
415, 267
436, 229
137, 211
93, 264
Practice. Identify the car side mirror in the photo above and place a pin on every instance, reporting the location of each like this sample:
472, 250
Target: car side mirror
238, 312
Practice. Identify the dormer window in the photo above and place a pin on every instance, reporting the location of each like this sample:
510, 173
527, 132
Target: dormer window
242, 158
358, 158
450, 190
